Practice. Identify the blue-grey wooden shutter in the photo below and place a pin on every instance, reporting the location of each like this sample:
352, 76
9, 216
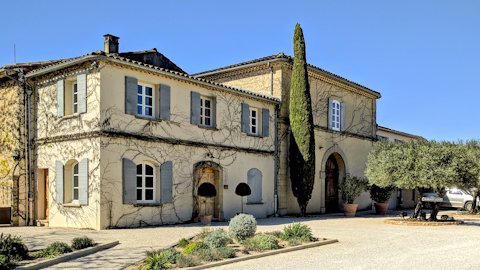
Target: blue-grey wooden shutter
164, 102
214, 112
330, 113
265, 122
166, 182
59, 181
60, 98
131, 90
386, 138
245, 117
379, 138
396, 140
254, 180
82, 93
195, 108
129, 181
83, 181
342, 116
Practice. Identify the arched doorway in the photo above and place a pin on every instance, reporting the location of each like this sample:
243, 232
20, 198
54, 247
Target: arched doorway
208, 172
331, 185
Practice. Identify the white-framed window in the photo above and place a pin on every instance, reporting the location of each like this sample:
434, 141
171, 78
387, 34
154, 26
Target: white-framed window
253, 121
145, 183
145, 100
75, 185
206, 111
74, 97
335, 115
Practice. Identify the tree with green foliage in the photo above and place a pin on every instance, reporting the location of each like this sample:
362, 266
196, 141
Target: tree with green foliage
302, 141
423, 164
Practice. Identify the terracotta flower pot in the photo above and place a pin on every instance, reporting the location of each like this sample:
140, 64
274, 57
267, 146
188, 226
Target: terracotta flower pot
349, 210
206, 219
381, 208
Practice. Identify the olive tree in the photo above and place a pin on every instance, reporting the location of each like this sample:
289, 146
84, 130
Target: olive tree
418, 164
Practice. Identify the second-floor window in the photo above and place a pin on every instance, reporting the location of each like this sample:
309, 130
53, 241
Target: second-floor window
74, 97
145, 100
335, 115
253, 119
206, 111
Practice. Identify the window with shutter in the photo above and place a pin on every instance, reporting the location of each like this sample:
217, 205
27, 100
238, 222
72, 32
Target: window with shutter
166, 182
71, 95
335, 115
145, 188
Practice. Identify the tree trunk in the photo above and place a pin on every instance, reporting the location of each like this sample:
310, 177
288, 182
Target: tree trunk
433, 214
419, 206
303, 209
475, 208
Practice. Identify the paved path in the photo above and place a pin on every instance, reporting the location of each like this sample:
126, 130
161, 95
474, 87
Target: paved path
365, 243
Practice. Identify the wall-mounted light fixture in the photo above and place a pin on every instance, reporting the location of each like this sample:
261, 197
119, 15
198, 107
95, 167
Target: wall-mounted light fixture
16, 157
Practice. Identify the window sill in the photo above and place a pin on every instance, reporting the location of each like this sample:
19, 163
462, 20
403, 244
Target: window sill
146, 204
75, 205
148, 118
254, 135
71, 116
209, 128
255, 203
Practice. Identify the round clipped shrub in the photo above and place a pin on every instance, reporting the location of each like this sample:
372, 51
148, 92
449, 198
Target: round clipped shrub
82, 242
12, 246
225, 252
195, 247
242, 227
216, 239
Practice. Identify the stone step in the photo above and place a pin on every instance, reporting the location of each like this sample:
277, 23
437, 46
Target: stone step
42, 222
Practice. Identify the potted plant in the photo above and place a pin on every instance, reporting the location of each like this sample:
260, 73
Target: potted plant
206, 190
243, 189
351, 187
381, 195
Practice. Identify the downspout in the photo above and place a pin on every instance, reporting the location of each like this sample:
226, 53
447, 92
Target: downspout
271, 78
276, 168
28, 185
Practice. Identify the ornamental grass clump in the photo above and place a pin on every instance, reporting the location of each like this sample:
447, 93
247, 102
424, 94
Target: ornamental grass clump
261, 242
82, 242
297, 231
183, 243
216, 239
154, 262
242, 227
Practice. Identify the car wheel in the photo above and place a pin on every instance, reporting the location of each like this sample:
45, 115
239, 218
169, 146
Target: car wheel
468, 206
428, 205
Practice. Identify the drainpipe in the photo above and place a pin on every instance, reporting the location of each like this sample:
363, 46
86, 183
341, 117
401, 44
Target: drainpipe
271, 78
276, 168
28, 91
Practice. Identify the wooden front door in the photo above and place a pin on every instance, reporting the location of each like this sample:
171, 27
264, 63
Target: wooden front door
207, 205
331, 185
46, 195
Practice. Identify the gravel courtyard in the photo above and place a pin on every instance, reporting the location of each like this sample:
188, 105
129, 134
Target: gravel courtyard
365, 242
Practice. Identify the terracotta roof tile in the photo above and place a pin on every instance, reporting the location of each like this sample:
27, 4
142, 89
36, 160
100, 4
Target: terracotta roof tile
273, 57
115, 56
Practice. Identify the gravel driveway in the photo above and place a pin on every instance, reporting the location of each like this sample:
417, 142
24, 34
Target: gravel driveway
365, 242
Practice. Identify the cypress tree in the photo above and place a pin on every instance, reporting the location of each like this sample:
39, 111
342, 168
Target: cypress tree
302, 141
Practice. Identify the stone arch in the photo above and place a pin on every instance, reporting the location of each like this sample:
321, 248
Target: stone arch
199, 171
343, 171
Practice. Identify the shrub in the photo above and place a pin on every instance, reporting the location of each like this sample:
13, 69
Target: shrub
261, 242
205, 232
186, 261
294, 242
8, 262
169, 255
47, 253
59, 247
216, 239
207, 255
12, 247
298, 231
380, 194
82, 242
352, 187
195, 247
225, 252
183, 243
275, 233
242, 227
154, 262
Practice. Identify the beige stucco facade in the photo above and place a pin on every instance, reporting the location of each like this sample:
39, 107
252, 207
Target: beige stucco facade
105, 135
349, 147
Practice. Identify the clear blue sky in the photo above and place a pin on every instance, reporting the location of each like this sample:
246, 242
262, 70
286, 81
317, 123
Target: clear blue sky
422, 56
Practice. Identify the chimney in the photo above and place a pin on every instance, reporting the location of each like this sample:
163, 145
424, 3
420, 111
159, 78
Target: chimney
111, 43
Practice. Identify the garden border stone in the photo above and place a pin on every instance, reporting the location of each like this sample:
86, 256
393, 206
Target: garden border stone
398, 221
68, 256
264, 254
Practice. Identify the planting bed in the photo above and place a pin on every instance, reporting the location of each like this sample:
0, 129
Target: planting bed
399, 221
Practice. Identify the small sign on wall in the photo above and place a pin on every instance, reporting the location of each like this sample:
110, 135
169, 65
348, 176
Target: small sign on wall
225, 186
